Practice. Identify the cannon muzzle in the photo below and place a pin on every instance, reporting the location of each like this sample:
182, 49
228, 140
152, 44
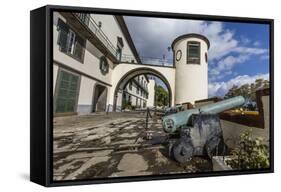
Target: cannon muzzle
173, 122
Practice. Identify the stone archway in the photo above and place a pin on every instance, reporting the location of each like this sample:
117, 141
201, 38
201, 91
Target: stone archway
136, 72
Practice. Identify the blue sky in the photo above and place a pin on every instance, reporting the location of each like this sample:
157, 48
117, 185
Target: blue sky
239, 52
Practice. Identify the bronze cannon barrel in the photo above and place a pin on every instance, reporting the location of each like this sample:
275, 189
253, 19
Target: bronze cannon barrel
171, 123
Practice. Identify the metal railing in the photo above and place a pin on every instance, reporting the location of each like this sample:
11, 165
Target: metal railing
94, 27
147, 60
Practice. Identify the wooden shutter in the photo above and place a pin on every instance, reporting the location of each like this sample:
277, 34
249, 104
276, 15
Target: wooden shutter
67, 92
63, 35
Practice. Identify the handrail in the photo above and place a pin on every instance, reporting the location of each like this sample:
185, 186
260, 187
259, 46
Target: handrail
148, 114
148, 60
93, 26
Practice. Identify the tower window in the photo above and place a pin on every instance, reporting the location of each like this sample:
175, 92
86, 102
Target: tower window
193, 52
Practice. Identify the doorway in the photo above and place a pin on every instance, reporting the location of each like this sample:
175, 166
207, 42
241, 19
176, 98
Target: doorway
100, 97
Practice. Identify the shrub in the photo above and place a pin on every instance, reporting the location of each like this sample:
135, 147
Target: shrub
251, 153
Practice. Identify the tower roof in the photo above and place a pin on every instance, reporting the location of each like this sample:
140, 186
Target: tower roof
190, 35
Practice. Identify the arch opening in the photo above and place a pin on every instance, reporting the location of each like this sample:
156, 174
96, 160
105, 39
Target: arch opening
125, 79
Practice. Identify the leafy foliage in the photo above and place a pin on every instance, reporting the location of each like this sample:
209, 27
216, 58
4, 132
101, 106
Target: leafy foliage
250, 154
162, 97
248, 91
127, 105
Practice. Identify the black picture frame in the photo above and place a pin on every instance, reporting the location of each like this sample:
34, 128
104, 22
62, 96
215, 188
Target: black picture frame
41, 97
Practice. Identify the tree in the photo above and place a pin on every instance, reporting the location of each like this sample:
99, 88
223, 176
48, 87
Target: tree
162, 97
248, 91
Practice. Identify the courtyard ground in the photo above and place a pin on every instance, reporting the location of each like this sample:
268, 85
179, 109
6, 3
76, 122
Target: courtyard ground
113, 145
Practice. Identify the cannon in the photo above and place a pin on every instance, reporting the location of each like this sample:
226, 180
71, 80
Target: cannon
199, 130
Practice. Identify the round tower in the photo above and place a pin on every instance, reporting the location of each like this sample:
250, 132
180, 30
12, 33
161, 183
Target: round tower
191, 62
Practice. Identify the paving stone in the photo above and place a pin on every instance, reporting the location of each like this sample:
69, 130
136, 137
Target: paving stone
132, 163
124, 141
67, 166
81, 143
128, 135
130, 173
80, 155
85, 166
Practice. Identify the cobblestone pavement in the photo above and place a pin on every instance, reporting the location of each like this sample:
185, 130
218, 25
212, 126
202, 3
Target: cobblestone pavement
113, 145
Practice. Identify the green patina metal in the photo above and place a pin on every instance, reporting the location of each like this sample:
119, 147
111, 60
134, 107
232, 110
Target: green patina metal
173, 122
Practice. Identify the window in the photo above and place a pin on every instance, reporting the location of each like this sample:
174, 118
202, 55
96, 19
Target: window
193, 52
130, 85
69, 42
67, 92
144, 104
138, 90
104, 67
178, 55
120, 46
119, 53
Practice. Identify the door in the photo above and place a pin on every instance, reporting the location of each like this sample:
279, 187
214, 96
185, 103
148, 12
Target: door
67, 92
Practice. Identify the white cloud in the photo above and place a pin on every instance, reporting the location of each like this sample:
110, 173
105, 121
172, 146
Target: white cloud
250, 50
264, 57
226, 64
245, 40
257, 43
152, 37
221, 88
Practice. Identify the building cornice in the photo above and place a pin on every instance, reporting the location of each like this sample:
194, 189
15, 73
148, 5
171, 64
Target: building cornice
191, 35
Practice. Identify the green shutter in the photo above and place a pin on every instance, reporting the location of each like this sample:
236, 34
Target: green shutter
63, 33
67, 92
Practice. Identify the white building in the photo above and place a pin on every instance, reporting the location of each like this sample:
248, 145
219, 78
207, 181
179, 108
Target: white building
95, 63
136, 92
84, 61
